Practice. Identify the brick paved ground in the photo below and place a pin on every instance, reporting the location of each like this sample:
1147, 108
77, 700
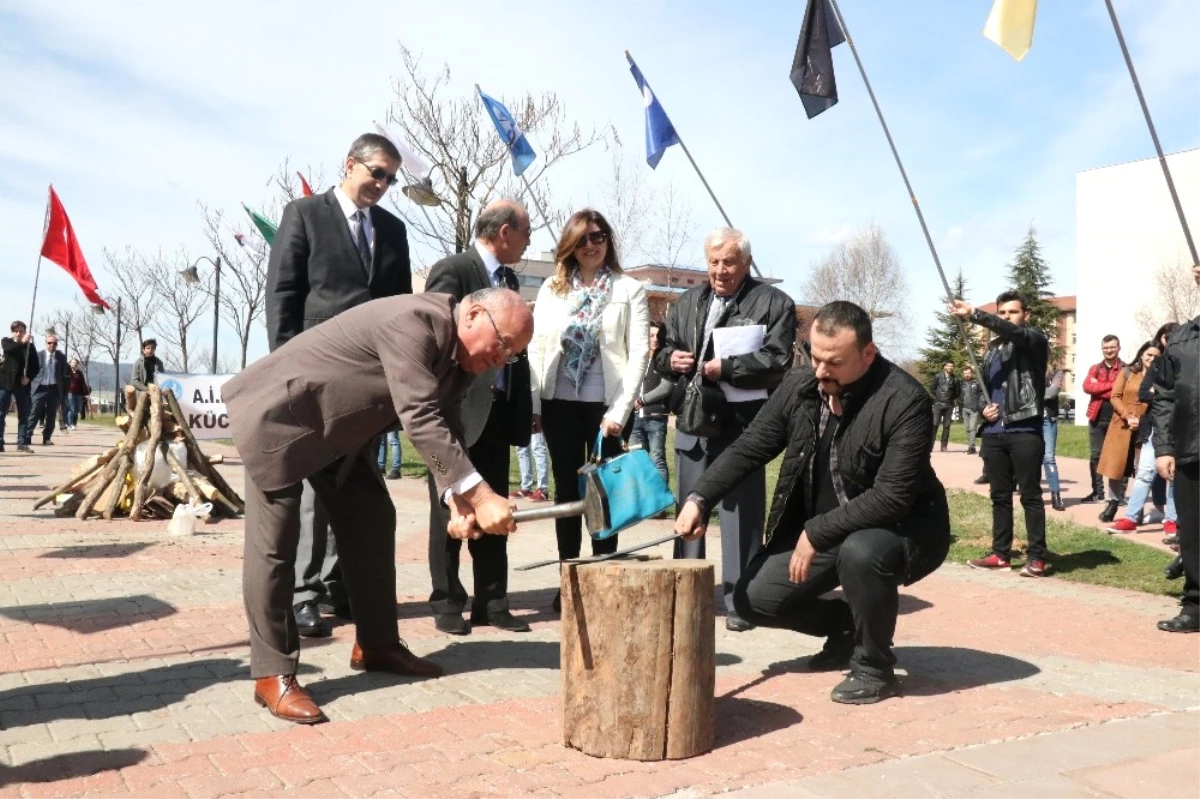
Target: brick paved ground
124, 673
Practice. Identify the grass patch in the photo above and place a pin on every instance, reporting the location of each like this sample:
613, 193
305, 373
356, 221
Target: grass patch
1080, 554
1072, 440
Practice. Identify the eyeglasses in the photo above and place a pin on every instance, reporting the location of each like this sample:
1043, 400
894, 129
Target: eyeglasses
51, 343
595, 237
379, 173
507, 350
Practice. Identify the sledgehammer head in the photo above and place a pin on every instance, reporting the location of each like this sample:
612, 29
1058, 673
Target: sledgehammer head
593, 507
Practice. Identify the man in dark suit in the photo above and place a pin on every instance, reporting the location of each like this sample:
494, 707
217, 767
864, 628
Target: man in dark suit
48, 389
333, 251
18, 367
498, 412
296, 417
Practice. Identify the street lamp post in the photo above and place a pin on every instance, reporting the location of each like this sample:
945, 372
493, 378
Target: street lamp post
191, 277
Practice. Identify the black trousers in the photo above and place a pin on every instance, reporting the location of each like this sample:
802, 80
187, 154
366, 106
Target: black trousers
1187, 501
943, 415
1014, 460
45, 410
489, 554
870, 566
1096, 433
571, 429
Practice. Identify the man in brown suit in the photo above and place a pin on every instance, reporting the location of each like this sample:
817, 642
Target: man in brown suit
313, 410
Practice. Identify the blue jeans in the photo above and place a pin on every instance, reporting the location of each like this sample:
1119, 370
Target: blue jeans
1143, 476
24, 407
535, 454
74, 403
1049, 463
394, 438
651, 435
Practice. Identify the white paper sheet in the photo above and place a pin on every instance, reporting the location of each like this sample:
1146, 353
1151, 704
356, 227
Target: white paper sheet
739, 340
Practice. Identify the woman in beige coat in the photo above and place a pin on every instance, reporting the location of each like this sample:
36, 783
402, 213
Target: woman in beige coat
1117, 455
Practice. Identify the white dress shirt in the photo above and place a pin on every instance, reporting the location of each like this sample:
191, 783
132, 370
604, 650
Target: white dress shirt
349, 209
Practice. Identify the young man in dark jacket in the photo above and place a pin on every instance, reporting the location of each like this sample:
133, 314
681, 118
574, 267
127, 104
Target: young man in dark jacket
971, 399
1014, 371
857, 503
946, 388
18, 368
1176, 413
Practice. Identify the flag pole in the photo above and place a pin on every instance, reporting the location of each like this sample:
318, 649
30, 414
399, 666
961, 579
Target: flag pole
703, 180
1137, 87
37, 276
962, 328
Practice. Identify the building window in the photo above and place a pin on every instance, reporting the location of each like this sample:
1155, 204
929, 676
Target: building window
690, 281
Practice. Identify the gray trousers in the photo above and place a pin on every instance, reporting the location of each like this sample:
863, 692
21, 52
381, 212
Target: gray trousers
743, 510
318, 575
361, 507
971, 418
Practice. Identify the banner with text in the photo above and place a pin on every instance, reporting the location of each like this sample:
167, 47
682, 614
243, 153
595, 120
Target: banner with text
200, 400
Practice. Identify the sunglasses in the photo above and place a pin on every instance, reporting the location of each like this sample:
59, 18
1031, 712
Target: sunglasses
507, 350
595, 237
379, 173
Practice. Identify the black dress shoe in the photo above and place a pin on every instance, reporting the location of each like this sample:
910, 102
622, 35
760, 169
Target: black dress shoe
736, 624
863, 689
451, 623
835, 655
981, 480
308, 620
1110, 511
1092, 497
1056, 501
501, 619
1174, 569
1183, 623
339, 609
394, 474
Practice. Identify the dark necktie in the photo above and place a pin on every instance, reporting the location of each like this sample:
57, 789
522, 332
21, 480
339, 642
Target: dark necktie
500, 280
360, 241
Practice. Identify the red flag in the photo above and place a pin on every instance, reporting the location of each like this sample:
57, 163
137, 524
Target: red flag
61, 247
304, 187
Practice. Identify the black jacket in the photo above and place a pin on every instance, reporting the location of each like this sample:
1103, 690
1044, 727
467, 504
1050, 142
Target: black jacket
1023, 353
970, 396
946, 389
883, 444
463, 274
314, 272
755, 303
1176, 407
15, 361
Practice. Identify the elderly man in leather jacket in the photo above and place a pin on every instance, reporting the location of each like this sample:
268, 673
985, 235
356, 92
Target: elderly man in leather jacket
857, 503
731, 299
1176, 412
1014, 371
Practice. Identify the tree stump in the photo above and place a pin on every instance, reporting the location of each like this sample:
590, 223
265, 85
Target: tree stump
638, 659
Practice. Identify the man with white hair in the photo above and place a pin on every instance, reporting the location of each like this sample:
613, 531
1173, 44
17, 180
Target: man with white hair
718, 397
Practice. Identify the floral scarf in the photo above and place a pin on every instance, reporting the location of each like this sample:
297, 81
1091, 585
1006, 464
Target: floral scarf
581, 337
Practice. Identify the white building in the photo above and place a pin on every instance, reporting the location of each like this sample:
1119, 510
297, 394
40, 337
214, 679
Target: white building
1127, 230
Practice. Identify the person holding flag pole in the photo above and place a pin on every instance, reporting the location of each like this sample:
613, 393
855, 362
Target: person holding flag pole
661, 134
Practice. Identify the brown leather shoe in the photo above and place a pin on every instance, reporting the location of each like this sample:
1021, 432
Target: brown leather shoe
396, 660
283, 696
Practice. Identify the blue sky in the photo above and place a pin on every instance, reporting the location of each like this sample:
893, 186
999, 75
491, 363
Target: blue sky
136, 111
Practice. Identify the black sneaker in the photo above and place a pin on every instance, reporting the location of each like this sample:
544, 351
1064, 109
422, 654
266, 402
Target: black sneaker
864, 689
981, 480
24, 448
1183, 623
835, 655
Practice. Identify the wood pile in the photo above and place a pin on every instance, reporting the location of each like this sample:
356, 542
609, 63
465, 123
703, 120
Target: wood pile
109, 484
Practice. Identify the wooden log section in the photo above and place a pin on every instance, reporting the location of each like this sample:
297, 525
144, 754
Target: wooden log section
638, 659
110, 470
143, 480
90, 468
196, 456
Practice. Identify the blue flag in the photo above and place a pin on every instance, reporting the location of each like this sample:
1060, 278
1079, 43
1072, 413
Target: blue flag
660, 133
512, 136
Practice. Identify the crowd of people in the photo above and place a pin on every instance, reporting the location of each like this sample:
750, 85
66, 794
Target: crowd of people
48, 389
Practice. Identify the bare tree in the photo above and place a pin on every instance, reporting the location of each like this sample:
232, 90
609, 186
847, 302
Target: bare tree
182, 303
866, 271
626, 203
139, 304
674, 225
243, 280
226, 364
114, 338
470, 163
1175, 298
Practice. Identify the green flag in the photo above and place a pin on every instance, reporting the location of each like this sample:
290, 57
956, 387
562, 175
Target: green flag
265, 227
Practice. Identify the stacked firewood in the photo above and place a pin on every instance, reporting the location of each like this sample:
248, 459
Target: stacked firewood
110, 484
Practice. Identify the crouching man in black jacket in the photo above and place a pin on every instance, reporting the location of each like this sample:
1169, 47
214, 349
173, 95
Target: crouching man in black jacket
1176, 413
857, 503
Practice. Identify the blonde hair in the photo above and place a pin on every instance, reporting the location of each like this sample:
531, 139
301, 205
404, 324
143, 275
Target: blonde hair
568, 242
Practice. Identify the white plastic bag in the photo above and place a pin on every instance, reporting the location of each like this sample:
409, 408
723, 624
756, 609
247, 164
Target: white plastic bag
161, 475
183, 520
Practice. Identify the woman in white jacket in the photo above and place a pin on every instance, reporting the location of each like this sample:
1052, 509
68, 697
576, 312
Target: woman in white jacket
586, 360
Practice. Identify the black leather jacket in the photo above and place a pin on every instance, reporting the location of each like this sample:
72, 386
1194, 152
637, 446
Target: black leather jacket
1023, 352
1176, 407
945, 389
755, 303
971, 396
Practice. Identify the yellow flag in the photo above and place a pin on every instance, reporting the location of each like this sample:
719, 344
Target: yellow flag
1010, 25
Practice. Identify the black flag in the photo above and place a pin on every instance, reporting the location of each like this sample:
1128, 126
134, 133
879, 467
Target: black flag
812, 68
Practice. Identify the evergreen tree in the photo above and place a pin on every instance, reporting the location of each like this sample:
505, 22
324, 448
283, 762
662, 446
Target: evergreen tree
944, 343
1030, 275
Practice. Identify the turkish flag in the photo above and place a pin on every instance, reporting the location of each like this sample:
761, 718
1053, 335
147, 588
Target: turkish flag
305, 189
62, 248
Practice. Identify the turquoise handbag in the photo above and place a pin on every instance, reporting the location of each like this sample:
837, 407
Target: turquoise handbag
631, 488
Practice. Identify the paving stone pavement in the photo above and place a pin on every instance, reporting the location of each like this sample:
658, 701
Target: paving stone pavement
125, 673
